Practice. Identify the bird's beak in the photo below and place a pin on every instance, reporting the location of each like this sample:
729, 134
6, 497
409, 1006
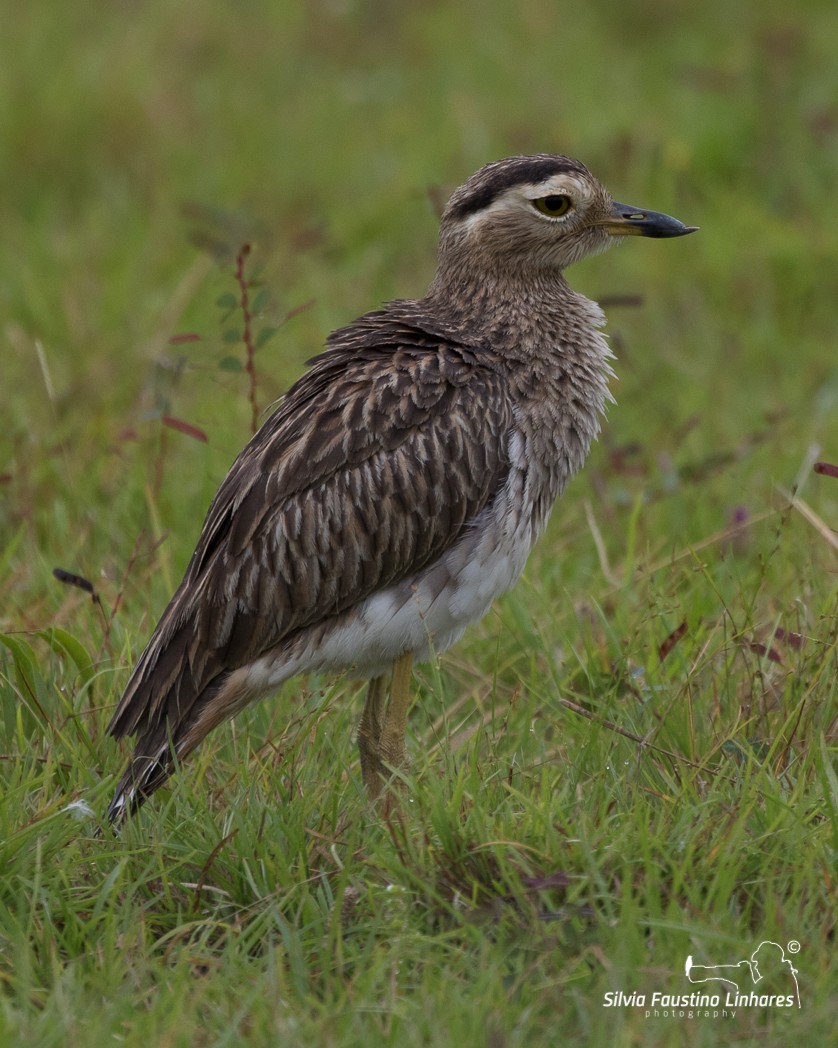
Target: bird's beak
625, 220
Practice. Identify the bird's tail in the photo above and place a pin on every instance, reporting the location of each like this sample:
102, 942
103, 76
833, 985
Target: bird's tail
141, 777
167, 729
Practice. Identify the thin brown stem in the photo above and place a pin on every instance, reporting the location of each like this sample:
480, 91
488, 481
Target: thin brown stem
247, 335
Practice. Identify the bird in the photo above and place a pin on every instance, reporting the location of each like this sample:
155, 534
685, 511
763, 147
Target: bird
399, 485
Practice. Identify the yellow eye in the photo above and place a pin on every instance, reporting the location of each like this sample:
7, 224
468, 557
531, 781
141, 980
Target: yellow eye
553, 206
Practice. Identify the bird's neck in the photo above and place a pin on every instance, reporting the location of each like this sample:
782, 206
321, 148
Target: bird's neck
548, 340
525, 317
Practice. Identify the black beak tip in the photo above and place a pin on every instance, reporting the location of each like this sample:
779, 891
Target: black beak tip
663, 226
666, 230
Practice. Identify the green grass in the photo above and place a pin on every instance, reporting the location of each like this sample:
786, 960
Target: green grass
632, 759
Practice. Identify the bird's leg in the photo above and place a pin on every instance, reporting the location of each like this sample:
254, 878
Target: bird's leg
369, 737
381, 738
391, 749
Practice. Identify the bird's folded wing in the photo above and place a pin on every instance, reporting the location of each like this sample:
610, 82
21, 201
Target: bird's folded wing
370, 468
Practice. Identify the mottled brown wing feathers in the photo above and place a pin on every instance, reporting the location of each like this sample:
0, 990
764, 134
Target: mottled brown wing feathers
370, 467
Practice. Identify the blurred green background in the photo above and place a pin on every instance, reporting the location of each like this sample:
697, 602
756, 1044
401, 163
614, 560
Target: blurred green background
330, 133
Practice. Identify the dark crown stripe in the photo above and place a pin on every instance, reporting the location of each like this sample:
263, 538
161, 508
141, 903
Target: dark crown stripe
484, 187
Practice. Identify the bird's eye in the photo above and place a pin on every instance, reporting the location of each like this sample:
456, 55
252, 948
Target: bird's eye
554, 206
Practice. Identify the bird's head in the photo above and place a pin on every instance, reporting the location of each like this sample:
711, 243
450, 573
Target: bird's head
536, 213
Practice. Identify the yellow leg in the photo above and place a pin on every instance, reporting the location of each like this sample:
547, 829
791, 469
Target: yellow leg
391, 749
369, 737
381, 738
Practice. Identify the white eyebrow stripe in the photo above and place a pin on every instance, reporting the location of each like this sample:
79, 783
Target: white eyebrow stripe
565, 183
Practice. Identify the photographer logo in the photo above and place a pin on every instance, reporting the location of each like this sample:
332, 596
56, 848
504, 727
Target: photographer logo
765, 979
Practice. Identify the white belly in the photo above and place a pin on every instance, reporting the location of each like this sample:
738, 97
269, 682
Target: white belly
424, 614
